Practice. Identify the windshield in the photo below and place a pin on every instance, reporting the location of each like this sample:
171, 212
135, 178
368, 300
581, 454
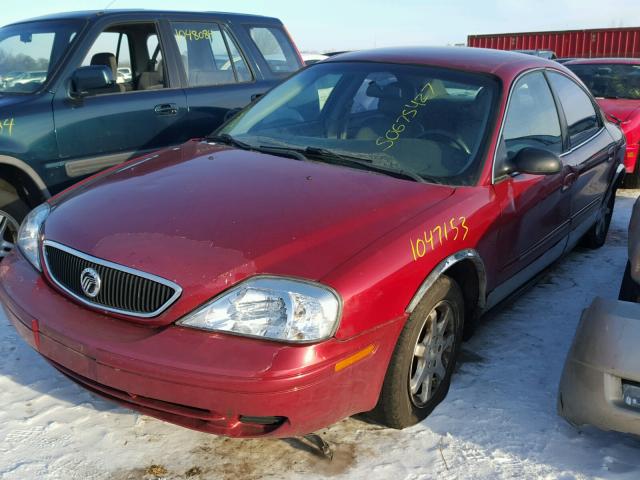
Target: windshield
427, 122
610, 80
30, 51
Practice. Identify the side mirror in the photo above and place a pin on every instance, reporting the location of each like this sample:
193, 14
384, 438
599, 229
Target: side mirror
534, 161
94, 77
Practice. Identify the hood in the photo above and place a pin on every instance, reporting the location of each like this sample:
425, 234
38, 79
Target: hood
621, 108
207, 217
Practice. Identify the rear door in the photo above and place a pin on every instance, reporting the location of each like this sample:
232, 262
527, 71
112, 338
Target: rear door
135, 115
217, 74
590, 155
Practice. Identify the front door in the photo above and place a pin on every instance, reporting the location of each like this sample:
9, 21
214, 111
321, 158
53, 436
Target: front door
141, 112
535, 209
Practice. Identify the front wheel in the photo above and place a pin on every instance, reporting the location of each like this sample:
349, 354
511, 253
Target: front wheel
423, 361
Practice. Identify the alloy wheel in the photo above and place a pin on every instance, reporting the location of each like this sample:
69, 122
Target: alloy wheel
432, 353
8, 233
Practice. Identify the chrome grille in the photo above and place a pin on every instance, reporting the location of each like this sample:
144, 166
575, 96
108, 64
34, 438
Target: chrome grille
123, 290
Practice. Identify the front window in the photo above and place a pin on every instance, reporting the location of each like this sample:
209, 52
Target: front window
30, 51
425, 123
610, 80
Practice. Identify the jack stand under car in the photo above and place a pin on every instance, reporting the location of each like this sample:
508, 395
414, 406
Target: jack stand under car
600, 384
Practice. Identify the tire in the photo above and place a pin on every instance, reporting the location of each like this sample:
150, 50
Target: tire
404, 399
12, 211
597, 235
629, 289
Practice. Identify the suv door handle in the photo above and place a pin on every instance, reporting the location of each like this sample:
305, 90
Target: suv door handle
611, 153
166, 109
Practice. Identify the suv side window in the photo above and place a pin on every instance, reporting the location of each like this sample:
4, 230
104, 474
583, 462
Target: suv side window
531, 119
112, 46
209, 56
275, 47
133, 53
582, 119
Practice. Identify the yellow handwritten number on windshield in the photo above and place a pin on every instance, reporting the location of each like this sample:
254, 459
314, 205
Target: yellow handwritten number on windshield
409, 112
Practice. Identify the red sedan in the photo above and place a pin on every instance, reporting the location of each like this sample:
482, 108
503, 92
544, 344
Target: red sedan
615, 82
325, 252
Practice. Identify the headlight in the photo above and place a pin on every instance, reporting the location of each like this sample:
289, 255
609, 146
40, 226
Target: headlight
29, 234
270, 307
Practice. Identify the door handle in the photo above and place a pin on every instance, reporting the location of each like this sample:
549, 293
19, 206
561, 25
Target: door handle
166, 109
611, 153
568, 180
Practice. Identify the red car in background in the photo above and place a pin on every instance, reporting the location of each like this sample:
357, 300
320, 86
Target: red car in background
323, 253
615, 82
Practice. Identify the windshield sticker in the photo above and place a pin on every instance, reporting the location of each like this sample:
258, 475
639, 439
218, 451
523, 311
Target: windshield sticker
6, 126
409, 112
194, 34
436, 236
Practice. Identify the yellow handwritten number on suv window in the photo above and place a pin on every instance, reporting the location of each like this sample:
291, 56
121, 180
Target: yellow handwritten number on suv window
409, 112
194, 34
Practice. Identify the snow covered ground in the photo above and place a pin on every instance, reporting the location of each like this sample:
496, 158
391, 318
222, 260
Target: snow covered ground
499, 420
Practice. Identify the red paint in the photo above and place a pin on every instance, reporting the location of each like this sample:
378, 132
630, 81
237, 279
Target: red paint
594, 43
207, 217
36, 333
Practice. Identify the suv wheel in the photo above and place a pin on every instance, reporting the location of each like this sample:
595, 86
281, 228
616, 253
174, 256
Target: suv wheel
12, 211
423, 361
8, 233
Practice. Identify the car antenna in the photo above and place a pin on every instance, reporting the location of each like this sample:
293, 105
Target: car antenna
109, 4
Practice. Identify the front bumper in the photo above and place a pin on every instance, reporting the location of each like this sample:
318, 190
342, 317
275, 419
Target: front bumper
211, 382
604, 356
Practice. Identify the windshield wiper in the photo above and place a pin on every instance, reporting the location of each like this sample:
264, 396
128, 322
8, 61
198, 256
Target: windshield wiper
282, 151
229, 140
365, 163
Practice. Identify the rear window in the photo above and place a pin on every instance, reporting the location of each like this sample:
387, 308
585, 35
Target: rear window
276, 49
209, 55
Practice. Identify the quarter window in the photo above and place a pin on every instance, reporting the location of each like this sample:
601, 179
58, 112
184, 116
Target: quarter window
276, 49
209, 55
532, 118
582, 119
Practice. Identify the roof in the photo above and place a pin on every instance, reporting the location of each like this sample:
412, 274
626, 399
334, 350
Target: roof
462, 58
93, 14
600, 61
